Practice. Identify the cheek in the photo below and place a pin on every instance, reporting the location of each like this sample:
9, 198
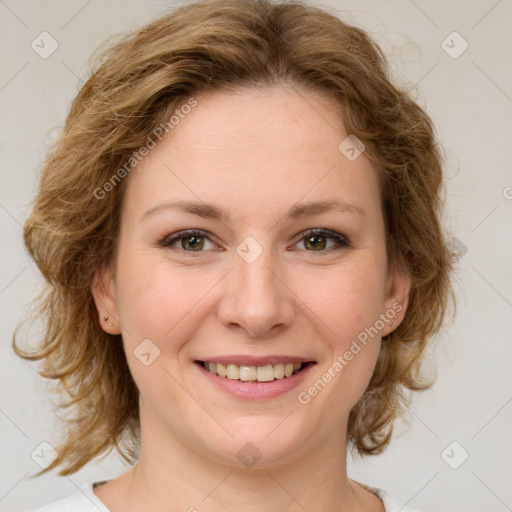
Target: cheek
160, 302
347, 300
161, 307
142, 308
349, 303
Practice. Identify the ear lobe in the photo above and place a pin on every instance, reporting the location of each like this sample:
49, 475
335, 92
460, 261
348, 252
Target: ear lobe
397, 300
103, 292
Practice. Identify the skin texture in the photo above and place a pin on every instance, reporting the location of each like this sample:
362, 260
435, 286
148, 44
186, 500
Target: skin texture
255, 154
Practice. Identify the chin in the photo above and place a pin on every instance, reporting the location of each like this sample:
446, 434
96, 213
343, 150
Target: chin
258, 445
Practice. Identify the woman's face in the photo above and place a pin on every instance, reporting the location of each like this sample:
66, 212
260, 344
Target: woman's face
253, 291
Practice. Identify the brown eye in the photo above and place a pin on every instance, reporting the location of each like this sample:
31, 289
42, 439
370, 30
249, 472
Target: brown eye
316, 240
194, 242
191, 241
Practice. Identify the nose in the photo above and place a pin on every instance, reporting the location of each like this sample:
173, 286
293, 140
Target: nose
256, 297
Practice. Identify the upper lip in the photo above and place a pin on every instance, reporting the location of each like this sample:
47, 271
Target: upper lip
240, 359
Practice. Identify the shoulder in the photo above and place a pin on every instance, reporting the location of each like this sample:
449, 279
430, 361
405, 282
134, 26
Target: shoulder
391, 504
83, 500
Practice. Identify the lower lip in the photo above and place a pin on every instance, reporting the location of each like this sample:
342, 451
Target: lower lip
256, 390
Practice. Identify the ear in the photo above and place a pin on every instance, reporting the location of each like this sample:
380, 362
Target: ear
396, 300
103, 291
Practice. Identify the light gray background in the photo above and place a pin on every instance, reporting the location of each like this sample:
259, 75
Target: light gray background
470, 99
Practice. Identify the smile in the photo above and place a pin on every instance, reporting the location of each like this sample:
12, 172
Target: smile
249, 373
248, 377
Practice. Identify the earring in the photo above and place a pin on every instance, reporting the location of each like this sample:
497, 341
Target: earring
106, 318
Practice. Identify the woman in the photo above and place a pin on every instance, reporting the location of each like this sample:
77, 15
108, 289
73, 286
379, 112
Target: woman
240, 231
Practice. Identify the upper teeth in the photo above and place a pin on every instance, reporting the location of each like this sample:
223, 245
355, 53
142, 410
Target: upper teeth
265, 373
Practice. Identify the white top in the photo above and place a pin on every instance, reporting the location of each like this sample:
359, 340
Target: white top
84, 500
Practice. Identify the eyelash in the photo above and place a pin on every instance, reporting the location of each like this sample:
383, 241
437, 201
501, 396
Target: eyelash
341, 241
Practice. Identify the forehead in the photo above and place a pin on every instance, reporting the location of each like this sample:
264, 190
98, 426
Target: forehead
280, 115
257, 146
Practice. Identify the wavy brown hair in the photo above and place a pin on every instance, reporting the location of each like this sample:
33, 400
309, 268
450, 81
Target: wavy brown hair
135, 86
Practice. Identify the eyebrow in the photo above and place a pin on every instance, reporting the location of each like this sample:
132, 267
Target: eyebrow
297, 211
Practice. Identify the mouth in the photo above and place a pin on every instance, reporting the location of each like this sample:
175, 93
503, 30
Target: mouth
247, 377
253, 373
